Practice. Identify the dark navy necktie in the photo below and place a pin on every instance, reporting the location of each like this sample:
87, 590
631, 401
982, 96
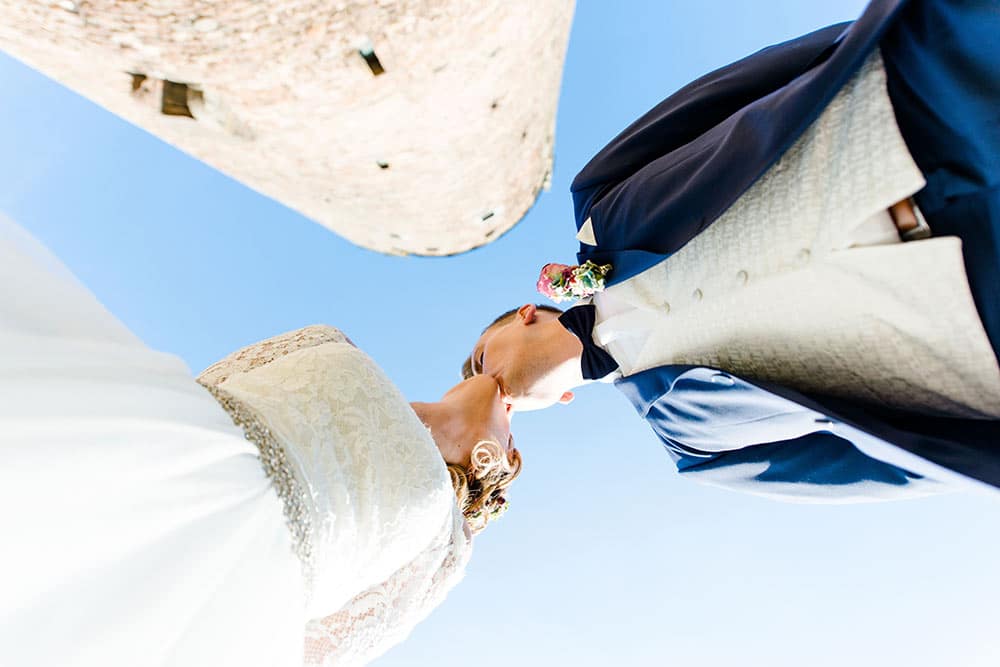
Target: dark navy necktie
595, 362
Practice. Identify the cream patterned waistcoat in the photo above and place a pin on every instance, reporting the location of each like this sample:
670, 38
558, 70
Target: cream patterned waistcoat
779, 289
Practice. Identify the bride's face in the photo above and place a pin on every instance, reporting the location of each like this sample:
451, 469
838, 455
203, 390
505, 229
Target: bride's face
480, 413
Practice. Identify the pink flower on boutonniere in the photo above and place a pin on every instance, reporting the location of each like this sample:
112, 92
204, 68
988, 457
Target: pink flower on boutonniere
561, 282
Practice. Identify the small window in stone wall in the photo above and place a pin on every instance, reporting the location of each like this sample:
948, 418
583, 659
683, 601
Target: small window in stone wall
367, 51
175, 99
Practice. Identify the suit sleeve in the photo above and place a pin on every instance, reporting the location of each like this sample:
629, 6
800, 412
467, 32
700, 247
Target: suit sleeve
813, 468
723, 431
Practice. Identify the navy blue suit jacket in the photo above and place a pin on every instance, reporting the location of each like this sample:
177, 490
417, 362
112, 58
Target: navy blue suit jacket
674, 171
671, 174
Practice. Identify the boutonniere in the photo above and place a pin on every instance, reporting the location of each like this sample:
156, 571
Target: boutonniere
560, 282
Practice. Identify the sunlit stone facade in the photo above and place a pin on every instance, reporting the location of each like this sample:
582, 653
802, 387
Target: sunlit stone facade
406, 126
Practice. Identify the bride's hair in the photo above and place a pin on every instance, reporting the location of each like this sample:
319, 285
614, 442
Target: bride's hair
480, 489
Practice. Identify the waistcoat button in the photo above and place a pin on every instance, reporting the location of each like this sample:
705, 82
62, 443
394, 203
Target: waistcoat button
742, 277
723, 379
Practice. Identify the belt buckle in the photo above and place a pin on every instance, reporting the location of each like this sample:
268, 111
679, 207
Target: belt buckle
921, 231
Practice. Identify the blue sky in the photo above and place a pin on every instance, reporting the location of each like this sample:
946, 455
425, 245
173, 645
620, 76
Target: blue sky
607, 556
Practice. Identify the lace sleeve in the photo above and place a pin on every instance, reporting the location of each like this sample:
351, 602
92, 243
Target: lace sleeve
258, 354
382, 616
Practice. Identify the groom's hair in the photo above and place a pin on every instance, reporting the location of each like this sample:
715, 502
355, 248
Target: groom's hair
503, 318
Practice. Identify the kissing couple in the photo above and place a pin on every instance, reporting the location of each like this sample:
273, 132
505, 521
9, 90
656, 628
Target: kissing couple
789, 267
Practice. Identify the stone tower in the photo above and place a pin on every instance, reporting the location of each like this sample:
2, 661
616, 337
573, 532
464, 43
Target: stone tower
406, 126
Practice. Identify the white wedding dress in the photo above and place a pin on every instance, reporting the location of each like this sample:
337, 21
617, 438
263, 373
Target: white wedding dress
141, 526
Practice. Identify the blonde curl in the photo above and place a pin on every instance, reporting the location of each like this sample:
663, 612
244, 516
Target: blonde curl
480, 488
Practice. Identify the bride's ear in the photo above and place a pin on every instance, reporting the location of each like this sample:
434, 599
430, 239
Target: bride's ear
566, 398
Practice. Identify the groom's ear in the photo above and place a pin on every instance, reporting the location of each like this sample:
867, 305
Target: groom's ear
566, 398
527, 313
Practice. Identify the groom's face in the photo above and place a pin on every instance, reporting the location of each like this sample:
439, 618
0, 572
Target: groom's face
508, 351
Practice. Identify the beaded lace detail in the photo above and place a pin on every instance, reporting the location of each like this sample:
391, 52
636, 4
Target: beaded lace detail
277, 468
366, 494
272, 454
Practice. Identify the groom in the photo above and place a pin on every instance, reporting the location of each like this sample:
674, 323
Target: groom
774, 336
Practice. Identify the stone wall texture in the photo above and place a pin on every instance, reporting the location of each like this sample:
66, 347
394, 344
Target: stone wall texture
441, 152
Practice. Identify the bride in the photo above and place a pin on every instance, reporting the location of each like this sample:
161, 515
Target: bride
290, 506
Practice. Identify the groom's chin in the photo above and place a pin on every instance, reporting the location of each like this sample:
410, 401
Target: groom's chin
532, 403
